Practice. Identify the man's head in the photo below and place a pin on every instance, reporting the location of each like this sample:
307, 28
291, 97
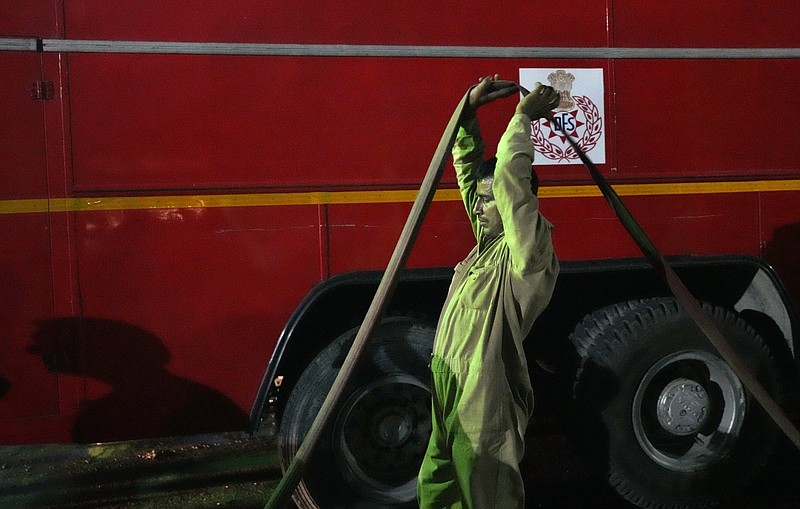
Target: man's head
485, 207
486, 169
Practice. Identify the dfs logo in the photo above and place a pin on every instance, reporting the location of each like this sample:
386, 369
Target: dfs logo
579, 114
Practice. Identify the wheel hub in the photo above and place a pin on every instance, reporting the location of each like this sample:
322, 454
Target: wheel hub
683, 407
702, 421
394, 428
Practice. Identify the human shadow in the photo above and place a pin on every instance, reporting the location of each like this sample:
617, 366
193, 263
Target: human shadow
145, 400
5, 385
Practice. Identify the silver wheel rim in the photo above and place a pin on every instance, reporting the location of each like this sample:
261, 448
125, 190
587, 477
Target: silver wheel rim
688, 411
380, 438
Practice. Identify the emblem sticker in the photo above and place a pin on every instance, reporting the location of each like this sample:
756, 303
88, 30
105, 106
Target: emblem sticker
580, 113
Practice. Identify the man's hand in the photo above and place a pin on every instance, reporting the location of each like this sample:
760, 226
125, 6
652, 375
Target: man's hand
539, 102
487, 90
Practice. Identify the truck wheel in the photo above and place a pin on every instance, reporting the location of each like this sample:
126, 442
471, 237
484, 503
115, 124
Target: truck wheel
369, 454
667, 419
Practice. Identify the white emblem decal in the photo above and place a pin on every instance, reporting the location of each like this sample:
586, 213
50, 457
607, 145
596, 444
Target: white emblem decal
578, 114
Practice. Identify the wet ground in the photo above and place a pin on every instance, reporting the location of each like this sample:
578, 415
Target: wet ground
226, 470
237, 471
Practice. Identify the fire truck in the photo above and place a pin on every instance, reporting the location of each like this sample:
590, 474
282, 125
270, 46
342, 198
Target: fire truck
199, 198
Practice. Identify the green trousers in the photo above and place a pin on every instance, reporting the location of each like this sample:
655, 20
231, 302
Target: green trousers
468, 465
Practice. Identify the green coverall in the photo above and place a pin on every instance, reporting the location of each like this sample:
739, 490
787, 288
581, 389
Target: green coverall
482, 394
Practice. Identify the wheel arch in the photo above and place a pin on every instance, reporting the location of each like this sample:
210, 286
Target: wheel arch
333, 307
744, 284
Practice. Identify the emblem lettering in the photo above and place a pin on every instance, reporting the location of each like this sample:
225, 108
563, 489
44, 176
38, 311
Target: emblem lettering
565, 122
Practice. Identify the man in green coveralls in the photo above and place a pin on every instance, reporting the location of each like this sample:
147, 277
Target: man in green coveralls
482, 395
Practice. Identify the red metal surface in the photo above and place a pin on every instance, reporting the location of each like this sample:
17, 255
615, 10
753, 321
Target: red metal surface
258, 122
705, 118
417, 22
195, 298
22, 158
31, 18
26, 290
709, 24
211, 286
25, 272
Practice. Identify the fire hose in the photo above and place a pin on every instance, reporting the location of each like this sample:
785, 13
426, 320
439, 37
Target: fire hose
401, 252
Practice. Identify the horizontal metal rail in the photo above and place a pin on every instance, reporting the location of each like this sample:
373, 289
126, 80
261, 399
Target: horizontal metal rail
7, 44
368, 50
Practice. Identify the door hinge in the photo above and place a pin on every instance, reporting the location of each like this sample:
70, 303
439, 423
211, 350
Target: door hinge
42, 90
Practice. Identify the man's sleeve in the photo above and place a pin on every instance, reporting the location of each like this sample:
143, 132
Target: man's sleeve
527, 232
468, 152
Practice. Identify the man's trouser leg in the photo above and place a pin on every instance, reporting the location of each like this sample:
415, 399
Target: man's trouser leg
473, 470
487, 469
437, 487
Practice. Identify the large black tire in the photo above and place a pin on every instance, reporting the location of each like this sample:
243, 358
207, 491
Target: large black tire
369, 455
668, 420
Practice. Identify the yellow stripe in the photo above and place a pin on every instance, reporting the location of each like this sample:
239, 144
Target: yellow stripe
22, 206
350, 197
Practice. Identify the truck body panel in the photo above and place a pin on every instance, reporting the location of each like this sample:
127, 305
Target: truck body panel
197, 198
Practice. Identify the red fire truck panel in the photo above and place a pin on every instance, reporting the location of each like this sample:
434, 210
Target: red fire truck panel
178, 179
